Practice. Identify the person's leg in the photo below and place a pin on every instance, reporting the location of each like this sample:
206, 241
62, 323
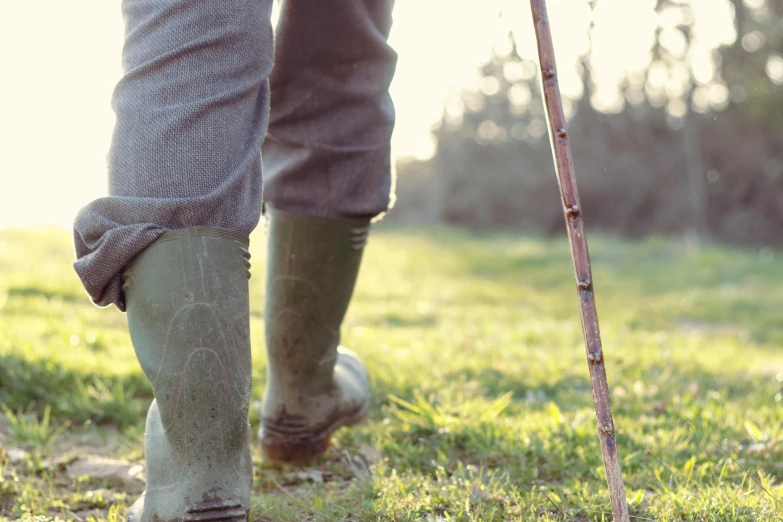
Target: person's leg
169, 243
192, 111
327, 167
328, 148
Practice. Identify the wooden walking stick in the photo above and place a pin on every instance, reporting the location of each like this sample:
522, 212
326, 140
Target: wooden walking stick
576, 236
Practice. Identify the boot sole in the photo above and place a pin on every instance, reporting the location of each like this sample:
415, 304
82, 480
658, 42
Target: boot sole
301, 450
206, 512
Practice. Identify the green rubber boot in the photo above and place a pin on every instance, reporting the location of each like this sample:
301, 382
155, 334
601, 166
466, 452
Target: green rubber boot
314, 386
187, 303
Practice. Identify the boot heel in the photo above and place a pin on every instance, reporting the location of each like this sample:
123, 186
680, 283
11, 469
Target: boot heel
287, 441
297, 454
216, 513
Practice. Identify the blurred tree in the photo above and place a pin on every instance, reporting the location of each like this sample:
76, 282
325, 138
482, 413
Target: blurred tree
693, 148
478, 159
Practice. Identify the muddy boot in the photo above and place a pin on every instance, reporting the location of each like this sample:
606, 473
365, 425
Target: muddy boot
314, 386
188, 317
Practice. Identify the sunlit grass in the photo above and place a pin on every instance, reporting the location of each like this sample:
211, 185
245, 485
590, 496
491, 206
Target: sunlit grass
483, 406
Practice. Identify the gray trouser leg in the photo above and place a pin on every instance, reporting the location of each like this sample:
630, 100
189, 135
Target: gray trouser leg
192, 112
327, 152
193, 109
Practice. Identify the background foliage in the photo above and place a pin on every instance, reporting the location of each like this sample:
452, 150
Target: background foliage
684, 152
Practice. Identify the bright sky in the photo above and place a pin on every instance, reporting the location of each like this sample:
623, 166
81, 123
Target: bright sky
61, 60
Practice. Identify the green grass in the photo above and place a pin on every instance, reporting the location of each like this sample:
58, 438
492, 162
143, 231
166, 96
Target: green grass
483, 407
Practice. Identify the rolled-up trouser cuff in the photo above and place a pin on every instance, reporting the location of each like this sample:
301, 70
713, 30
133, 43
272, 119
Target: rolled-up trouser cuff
98, 268
106, 239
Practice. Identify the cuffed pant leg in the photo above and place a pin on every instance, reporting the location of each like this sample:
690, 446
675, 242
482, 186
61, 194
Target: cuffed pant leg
328, 148
192, 113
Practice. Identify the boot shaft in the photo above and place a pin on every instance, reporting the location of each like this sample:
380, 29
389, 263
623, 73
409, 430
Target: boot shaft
188, 315
312, 267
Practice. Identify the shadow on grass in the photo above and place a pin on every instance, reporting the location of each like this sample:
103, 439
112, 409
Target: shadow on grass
77, 397
548, 430
28, 291
410, 320
655, 284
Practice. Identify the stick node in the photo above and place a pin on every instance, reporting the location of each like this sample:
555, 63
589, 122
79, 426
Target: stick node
595, 357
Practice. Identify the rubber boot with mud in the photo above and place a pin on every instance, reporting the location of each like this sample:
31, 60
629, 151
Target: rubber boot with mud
187, 303
314, 386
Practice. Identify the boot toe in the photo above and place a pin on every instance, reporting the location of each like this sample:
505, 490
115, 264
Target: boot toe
135, 511
351, 375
